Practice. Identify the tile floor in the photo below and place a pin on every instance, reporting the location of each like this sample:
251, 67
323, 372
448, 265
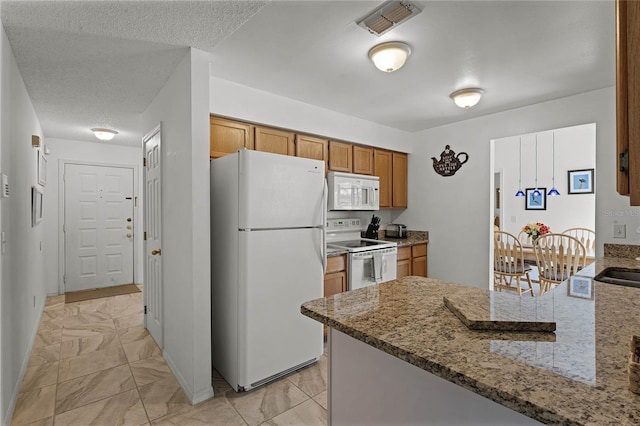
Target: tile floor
94, 363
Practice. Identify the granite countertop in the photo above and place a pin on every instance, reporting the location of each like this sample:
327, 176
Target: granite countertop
577, 375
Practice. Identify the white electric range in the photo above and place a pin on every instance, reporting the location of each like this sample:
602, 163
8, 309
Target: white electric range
369, 261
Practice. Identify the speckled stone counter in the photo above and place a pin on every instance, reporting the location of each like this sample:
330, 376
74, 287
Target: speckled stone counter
413, 237
336, 252
579, 377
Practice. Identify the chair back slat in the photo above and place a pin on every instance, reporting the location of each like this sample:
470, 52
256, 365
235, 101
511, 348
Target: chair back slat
585, 235
558, 257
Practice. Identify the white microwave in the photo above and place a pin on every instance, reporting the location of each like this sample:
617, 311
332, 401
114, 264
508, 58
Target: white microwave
349, 191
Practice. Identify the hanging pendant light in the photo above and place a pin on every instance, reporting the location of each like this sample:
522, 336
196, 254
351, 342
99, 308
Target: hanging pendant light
553, 191
520, 193
536, 191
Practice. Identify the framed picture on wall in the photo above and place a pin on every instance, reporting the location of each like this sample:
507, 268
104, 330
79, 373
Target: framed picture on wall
580, 181
42, 168
535, 201
36, 206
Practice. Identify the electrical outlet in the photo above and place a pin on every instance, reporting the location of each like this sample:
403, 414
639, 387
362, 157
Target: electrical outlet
619, 230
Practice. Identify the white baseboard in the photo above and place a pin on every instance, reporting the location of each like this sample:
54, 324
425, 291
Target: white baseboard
194, 397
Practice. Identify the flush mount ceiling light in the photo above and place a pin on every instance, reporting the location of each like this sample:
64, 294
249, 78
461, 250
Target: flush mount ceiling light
104, 134
466, 98
390, 56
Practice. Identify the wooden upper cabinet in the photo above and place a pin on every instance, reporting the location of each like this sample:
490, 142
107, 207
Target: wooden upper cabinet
628, 99
340, 157
312, 147
362, 160
399, 188
383, 169
228, 136
274, 140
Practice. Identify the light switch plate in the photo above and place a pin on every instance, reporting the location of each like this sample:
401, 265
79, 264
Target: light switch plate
619, 230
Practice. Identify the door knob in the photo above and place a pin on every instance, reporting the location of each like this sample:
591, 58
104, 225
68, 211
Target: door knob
154, 252
128, 235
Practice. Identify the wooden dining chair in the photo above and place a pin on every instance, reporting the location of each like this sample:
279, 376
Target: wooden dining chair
558, 257
585, 235
508, 264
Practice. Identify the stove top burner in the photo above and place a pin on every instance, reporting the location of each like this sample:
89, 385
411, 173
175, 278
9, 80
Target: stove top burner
361, 245
356, 243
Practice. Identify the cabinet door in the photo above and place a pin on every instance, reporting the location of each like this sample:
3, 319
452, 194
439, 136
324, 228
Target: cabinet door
314, 148
418, 250
274, 140
382, 169
362, 160
340, 157
404, 253
419, 266
404, 268
399, 188
628, 98
336, 263
335, 283
227, 136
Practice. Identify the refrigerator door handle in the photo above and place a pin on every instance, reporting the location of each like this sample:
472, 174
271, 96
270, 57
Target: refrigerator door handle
323, 227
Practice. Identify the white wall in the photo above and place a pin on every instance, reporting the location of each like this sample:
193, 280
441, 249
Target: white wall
457, 211
182, 106
22, 281
575, 149
88, 152
245, 103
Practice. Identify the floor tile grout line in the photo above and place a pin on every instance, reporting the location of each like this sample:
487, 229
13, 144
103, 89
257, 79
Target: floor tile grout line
135, 382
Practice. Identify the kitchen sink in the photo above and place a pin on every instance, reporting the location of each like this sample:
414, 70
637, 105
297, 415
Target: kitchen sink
619, 276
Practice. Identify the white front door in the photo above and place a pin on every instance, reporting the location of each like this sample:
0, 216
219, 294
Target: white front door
153, 235
98, 226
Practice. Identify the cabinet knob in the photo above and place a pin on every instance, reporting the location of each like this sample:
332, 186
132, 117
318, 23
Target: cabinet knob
129, 235
155, 252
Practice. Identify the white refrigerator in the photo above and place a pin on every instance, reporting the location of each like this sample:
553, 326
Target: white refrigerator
268, 213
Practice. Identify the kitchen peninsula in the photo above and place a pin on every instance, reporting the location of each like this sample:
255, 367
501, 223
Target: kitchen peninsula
397, 354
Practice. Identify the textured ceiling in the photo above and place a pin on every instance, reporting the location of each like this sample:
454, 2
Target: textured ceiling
100, 63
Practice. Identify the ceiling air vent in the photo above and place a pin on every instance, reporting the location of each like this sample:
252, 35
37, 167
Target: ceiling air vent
388, 16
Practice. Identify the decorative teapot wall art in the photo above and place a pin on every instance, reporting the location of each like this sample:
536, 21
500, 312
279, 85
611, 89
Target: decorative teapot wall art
449, 162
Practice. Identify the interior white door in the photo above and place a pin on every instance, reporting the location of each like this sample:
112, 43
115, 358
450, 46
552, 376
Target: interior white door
98, 226
153, 235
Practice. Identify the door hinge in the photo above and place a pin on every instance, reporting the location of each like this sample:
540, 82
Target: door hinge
144, 162
145, 309
145, 235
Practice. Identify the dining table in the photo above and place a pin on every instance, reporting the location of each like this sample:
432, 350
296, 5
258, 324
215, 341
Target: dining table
530, 256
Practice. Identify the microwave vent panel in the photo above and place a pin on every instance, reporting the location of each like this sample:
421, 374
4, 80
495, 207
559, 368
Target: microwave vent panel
388, 16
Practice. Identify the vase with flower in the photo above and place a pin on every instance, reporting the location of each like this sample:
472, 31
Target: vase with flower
535, 229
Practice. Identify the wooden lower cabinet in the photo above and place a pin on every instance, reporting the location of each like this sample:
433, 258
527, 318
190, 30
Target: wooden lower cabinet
412, 260
335, 279
404, 262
